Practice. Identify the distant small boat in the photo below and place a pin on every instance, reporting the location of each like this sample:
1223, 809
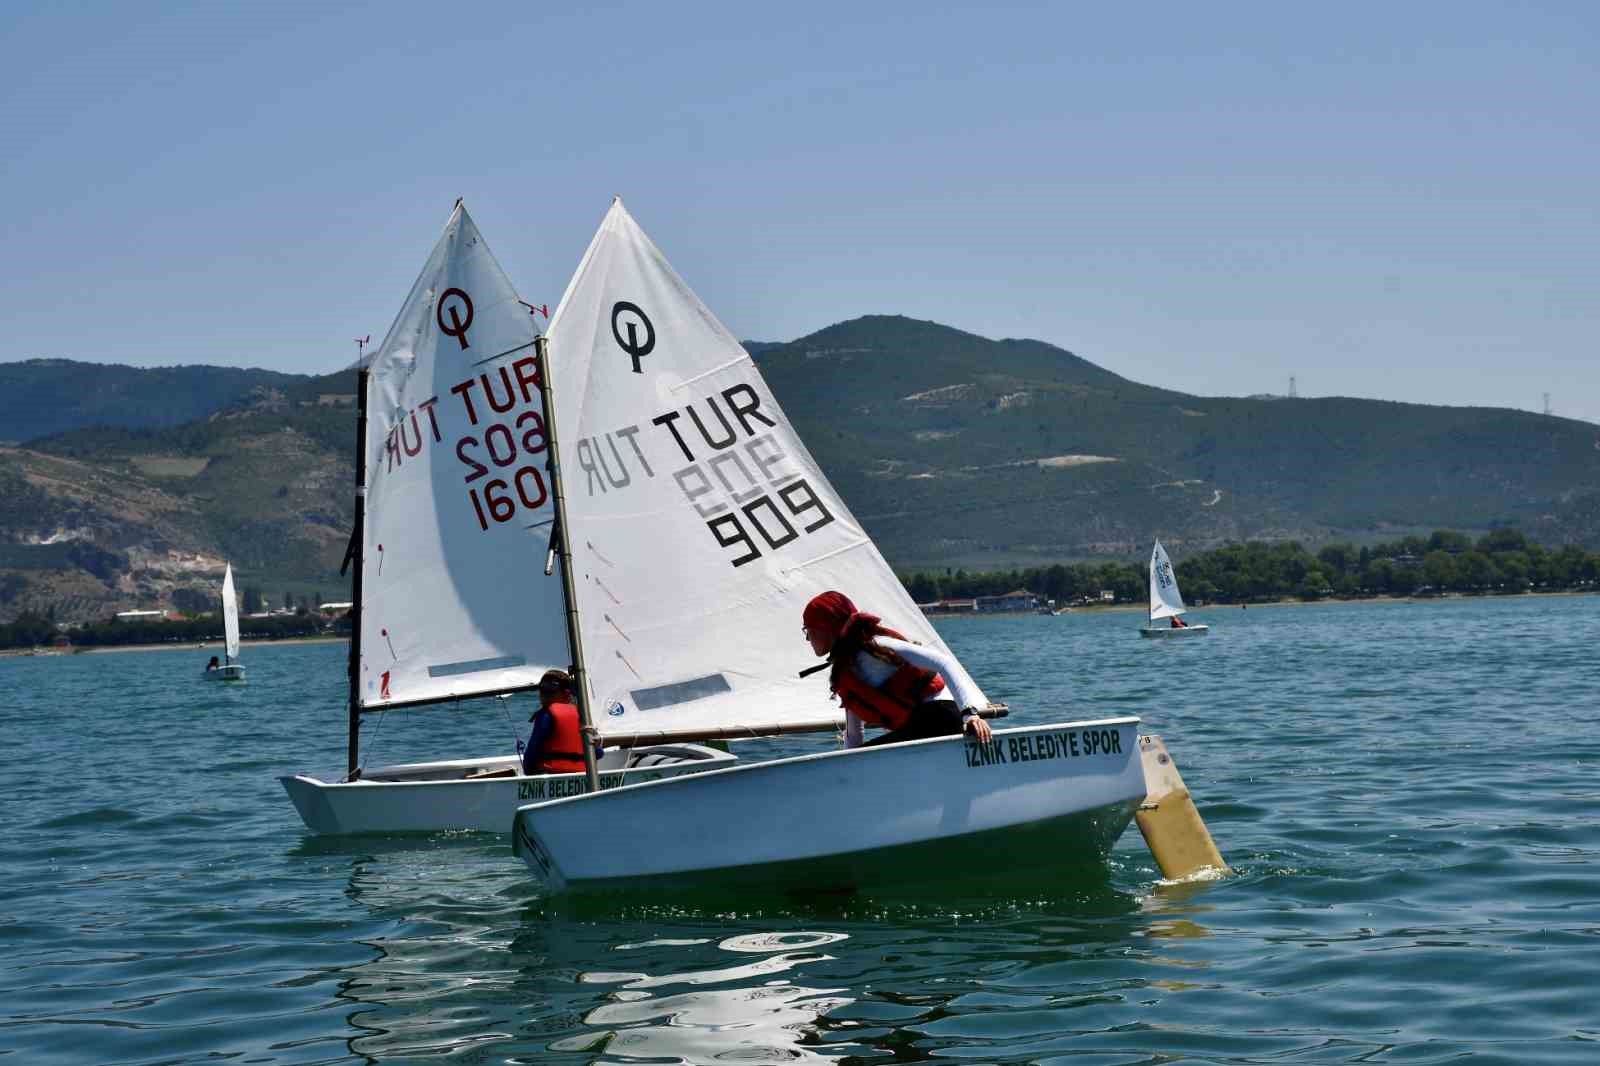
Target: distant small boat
1166, 601
229, 670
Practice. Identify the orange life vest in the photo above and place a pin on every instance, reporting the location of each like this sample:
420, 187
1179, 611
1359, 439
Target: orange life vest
562, 752
890, 704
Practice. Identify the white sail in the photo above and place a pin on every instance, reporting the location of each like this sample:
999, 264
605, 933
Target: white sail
230, 615
698, 521
1165, 599
455, 601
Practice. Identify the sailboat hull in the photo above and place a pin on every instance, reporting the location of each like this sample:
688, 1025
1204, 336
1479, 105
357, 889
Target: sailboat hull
930, 811
438, 796
1167, 631
232, 672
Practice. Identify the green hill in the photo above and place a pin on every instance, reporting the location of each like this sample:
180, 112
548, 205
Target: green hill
267, 489
952, 449
956, 449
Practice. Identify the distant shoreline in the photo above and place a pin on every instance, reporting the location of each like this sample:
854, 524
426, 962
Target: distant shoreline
1134, 608
1129, 608
175, 645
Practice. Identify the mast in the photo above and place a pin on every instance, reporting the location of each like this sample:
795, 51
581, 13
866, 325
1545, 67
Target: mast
580, 681
358, 544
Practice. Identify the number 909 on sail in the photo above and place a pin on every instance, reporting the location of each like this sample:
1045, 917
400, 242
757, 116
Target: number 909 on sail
743, 501
799, 499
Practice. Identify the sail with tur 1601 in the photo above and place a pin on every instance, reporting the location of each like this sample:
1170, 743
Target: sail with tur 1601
454, 513
457, 505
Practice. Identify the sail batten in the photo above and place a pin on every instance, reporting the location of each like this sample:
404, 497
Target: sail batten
455, 603
436, 701
699, 522
1165, 599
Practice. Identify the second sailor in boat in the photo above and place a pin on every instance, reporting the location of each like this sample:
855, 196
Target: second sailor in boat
885, 680
555, 745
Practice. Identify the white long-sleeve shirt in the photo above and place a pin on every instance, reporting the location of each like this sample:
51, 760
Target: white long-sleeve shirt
958, 685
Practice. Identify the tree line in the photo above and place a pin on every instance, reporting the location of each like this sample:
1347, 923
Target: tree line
1501, 561
32, 629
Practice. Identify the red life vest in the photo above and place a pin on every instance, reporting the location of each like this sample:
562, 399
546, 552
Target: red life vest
890, 704
562, 752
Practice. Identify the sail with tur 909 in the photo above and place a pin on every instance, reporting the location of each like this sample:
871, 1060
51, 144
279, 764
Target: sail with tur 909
698, 522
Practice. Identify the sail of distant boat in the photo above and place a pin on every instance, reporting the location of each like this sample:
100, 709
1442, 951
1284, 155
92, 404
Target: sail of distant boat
1165, 599
699, 523
230, 616
454, 601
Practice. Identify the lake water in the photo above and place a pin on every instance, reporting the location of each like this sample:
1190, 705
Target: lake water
1407, 792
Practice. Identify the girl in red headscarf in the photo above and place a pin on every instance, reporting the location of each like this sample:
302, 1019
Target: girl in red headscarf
885, 680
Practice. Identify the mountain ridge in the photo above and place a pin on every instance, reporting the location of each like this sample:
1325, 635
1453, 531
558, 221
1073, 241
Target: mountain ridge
43, 396
951, 449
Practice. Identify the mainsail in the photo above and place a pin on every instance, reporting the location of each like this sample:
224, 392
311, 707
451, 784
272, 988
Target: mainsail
698, 522
230, 616
455, 601
1165, 599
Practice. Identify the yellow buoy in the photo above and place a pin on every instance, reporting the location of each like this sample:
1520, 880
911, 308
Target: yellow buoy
1171, 825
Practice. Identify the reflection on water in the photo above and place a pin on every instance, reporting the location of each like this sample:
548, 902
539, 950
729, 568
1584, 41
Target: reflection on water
468, 953
474, 956
764, 1018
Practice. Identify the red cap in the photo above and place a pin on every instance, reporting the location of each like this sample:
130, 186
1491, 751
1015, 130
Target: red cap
828, 612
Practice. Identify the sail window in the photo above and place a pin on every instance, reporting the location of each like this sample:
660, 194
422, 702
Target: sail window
475, 666
648, 699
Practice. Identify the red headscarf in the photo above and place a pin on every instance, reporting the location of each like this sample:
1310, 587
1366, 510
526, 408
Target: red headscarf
829, 612
853, 630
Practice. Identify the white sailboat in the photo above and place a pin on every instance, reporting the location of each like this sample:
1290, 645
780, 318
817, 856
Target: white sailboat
453, 516
1165, 600
229, 670
699, 526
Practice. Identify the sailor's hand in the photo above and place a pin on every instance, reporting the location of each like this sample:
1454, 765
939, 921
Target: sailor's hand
975, 726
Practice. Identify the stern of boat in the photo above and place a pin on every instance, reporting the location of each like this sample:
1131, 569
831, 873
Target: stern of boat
310, 798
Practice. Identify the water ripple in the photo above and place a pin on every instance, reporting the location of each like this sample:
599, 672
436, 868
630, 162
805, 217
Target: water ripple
1412, 822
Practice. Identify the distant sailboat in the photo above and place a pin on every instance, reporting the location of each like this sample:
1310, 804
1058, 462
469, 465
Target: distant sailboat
1166, 601
230, 670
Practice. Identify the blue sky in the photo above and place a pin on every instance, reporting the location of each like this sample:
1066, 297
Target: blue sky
1383, 200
